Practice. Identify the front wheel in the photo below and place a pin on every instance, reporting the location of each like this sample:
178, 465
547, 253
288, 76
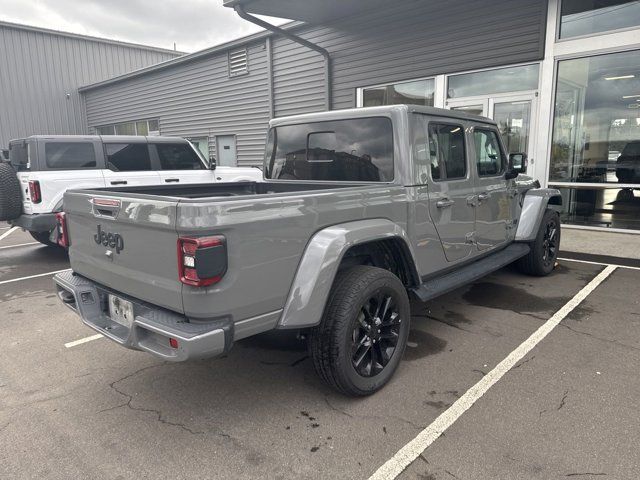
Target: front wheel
544, 249
360, 340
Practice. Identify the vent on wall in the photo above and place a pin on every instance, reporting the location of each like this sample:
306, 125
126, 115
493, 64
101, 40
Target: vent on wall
238, 63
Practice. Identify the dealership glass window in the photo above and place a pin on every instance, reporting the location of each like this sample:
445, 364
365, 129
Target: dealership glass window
489, 82
359, 149
71, 155
597, 120
128, 128
596, 138
140, 127
418, 92
586, 17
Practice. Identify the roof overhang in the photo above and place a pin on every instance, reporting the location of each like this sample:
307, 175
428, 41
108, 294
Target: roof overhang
316, 12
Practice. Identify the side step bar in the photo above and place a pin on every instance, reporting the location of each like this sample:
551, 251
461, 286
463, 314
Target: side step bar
440, 285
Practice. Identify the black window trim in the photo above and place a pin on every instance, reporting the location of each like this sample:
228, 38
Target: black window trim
500, 146
464, 143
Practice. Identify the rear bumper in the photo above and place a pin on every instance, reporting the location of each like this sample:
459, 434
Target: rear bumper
38, 222
152, 326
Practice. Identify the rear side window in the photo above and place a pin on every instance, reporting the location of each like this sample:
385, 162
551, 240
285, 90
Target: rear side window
178, 156
447, 152
489, 157
353, 150
19, 155
127, 157
70, 155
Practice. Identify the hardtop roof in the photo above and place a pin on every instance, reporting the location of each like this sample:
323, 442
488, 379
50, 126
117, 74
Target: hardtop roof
385, 110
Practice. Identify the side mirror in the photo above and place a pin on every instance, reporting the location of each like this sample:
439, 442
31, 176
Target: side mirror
212, 163
517, 165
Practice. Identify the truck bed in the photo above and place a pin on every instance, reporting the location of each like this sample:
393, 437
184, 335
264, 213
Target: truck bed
232, 189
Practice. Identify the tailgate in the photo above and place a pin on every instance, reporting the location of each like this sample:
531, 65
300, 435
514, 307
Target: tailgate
140, 258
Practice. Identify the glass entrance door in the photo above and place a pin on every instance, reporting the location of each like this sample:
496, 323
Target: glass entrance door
474, 107
514, 115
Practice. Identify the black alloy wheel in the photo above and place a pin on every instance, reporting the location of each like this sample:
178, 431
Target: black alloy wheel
550, 242
376, 333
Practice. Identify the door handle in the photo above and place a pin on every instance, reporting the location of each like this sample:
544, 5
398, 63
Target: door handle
169, 180
119, 182
483, 196
444, 203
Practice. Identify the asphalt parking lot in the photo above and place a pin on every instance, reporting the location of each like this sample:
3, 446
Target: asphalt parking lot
569, 408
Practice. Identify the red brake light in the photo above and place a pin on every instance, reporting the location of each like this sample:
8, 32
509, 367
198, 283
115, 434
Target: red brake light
34, 191
63, 233
202, 261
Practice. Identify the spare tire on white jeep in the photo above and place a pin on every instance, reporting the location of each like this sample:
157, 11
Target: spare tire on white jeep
10, 193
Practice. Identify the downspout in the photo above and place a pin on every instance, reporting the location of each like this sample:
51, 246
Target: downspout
327, 58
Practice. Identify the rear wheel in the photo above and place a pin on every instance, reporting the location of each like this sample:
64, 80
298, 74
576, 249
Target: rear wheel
359, 343
10, 193
544, 249
43, 237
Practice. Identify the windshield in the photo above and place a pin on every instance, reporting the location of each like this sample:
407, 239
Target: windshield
359, 150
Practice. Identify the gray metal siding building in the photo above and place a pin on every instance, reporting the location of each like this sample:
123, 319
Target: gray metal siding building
41, 70
194, 96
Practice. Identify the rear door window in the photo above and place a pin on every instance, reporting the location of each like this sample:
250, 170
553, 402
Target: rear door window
127, 157
447, 152
352, 150
178, 156
70, 155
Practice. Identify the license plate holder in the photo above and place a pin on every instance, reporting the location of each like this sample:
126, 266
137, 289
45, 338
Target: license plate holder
121, 311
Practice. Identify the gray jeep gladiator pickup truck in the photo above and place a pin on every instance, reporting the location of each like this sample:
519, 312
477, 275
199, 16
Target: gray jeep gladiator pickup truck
360, 210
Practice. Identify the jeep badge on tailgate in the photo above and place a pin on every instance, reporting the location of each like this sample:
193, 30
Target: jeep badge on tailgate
113, 240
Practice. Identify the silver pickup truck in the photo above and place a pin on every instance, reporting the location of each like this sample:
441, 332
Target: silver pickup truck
359, 211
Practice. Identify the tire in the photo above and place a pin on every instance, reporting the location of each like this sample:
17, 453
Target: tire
544, 249
332, 343
10, 193
43, 238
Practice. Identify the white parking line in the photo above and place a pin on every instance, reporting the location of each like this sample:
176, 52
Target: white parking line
407, 454
19, 245
33, 276
7, 233
84, 340
599, 263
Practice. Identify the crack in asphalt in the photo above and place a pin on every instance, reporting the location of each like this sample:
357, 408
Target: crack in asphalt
585, 474
563, 402
159, 415
523, 362
607, 340
439, 320
382, 417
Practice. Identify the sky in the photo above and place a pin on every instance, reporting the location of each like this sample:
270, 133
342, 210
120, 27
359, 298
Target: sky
191, 24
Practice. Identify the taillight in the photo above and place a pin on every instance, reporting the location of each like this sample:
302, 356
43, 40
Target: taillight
61, 226
34, 191
202, 261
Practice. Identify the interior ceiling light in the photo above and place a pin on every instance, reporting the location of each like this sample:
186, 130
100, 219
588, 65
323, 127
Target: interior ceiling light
631, 96
621, 77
